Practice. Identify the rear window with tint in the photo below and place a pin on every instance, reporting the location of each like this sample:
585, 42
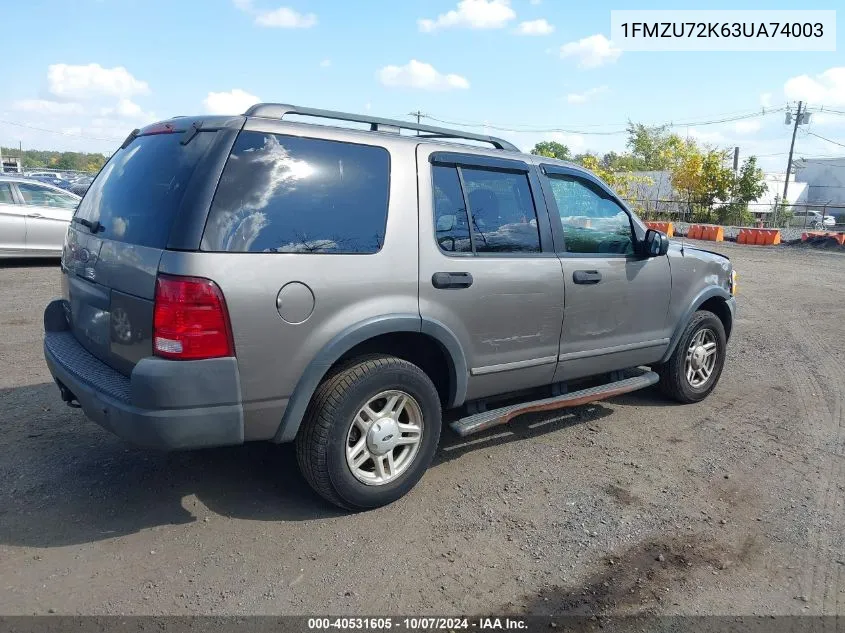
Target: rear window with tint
137, 194
287, 194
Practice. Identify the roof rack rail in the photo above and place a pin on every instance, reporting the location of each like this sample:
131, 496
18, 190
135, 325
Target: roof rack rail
377, 124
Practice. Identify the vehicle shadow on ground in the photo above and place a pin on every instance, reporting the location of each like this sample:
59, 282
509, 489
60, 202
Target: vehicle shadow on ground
66, 481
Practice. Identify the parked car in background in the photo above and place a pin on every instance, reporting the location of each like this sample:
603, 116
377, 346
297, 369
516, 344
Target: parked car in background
34, 217
807, 218
49, 179
80, 185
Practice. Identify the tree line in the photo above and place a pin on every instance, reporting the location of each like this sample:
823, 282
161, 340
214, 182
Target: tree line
700, 174
41, 159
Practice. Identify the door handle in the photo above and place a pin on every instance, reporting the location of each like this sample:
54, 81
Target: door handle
451, 280
586, 276
34, 215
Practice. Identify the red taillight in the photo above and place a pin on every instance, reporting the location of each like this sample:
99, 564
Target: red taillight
190, 320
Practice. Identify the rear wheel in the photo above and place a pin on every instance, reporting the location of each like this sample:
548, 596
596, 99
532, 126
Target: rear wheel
693, 370
370, 432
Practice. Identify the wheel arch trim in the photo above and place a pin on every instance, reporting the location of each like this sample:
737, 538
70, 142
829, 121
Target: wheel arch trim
708, 293
359, 333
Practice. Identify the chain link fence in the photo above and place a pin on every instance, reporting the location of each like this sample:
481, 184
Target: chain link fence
798, 216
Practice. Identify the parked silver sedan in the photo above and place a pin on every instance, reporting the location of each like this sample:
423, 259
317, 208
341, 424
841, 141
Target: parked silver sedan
34, 217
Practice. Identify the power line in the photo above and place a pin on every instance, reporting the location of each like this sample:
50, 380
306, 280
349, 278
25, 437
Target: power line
727, 117
826, 139
585, 132
500, 128
41, 129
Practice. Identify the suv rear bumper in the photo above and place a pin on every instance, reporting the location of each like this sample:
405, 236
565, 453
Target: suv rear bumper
163, 404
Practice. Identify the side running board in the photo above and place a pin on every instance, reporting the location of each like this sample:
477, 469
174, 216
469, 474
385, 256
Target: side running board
487, 419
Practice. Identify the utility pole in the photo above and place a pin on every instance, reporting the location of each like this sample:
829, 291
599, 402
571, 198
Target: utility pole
791, 148
736, 177
419, 115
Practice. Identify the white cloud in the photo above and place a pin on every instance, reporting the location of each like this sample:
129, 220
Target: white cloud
420, 75
592, 51
325, 63
704, 136
286, 18
583, 97
283, 17
44, 106
535, 27
129, 110
828, 88
747, 127
766, 99
86, 82
472, 14
824, 118
575, 142
236, 101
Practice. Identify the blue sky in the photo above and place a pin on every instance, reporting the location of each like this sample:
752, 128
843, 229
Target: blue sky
91, 70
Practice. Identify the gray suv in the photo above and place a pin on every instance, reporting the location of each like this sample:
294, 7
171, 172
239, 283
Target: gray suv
234, 279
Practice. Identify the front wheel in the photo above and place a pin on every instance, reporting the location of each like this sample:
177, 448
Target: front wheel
693, 370
370, 432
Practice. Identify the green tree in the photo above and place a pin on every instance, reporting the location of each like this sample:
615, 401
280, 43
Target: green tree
747, 187
552, 149
750, 183
652, 147
702, 177
34, 159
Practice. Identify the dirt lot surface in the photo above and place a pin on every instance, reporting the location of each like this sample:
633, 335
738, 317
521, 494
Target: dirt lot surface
730, 506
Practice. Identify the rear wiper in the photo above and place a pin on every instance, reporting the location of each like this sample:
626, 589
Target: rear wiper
92, 225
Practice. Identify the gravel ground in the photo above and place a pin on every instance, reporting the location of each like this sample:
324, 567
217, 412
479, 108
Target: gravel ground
730, 506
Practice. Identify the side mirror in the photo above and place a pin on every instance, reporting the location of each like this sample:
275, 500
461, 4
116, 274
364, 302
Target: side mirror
655, 243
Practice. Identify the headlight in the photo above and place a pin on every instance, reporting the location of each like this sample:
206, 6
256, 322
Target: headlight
733, 282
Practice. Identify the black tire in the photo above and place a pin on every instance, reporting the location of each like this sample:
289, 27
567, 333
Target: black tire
321, 440
673, 379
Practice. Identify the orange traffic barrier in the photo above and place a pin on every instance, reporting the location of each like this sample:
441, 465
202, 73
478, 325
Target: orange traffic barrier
707, 232
759, 237
665, 227
839, 237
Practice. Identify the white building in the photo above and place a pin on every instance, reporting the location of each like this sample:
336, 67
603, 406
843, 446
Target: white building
825, 181
796, 193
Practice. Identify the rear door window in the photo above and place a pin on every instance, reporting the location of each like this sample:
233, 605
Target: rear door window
288, 194
503, 216
137, 194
